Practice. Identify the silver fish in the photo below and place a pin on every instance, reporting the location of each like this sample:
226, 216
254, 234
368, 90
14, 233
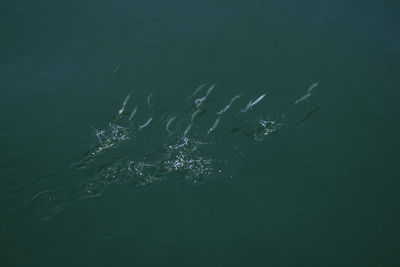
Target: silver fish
169, 123
234, 98
198, 89
149, 99
146, 123
199, 101
214, 125
210, 89
133, 113
308, 94
247, 107
312, 87
222, 111
187, 130
257, 100
124, 104
304, 97
195, 114
116, 69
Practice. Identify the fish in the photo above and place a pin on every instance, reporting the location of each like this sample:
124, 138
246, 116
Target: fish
126, 99
312, 87
133, 113
252, 103
124, 105
116, 69
149, 98
210, 89
308, 115
247, 107
304, 97
308, 94
198, 89
195, 114
238, 130
222, 111
187, 129
169, 123
257, 100
214, 125
234, 98
146, 123
199, 101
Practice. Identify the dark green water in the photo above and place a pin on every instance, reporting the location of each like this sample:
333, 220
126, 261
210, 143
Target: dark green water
308, 184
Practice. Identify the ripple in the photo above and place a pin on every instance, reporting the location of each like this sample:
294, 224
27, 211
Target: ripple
182, 159
189, 149
47, 199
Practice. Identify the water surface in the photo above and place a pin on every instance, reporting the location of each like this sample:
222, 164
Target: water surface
282, 184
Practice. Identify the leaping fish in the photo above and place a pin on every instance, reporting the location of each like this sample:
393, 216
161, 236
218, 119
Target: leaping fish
187, 130
116, 69
146, 123
252, 103
308, 94
222, 111
169, 123
133, 113
214, 125
124, 105
198, 89
149, 99
247, 107
257, 100
199, 101
197, 112
312, 87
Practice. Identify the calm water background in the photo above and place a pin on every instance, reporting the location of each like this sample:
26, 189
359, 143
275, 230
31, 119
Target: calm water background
318, 192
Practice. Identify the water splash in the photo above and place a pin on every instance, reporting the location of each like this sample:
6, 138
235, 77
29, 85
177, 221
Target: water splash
186, 150
266, 127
